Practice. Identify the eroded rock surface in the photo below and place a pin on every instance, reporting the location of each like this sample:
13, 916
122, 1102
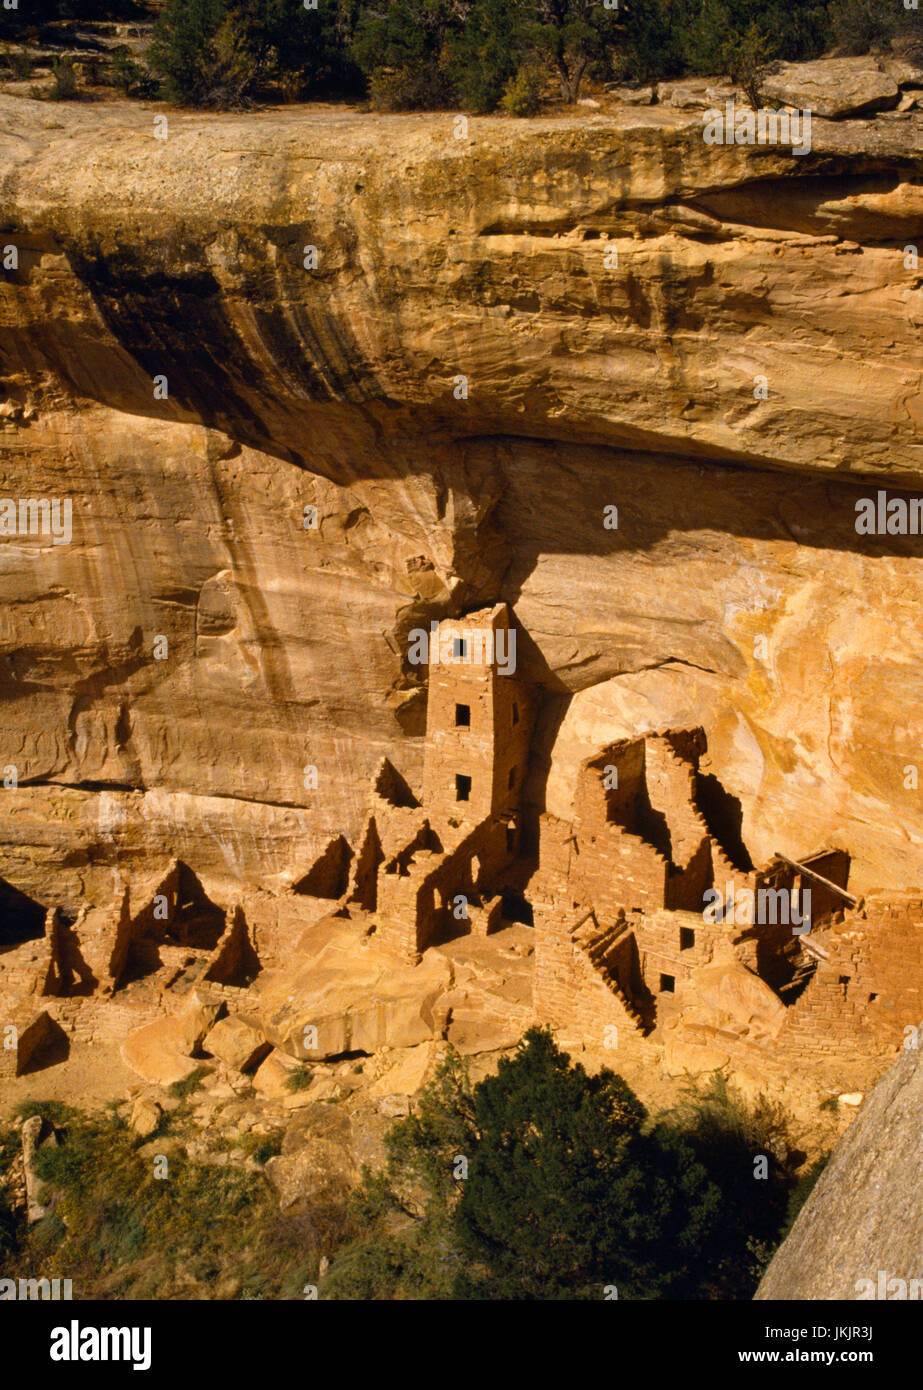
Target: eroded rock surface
864, 1218
735, 592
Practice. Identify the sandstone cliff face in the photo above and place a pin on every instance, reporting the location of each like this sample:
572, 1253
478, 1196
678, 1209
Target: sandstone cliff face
863, 1219
735, 592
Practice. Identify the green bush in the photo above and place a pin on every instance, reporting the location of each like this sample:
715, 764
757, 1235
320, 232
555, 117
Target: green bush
403, 48
573, 38
198, 50
119, 1231
299, 1080
728, 1135
130, 76
54, 1111
261, 1147
226, 53
485, 53
859, 25
182, 1090
569, 1187
749, 60
711, 31
568, 1192
522, 95
65, 81
18, 63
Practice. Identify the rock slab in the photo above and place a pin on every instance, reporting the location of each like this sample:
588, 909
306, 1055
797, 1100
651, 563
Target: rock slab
864, 1218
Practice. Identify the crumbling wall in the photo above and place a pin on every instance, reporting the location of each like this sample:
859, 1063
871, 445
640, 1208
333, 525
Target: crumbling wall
616, 870
685, 887
868, 992
234, 960
24, 1037
96, 951
328, 876
609, 787
569, 992
670, 785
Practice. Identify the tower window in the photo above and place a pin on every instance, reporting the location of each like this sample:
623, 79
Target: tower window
515, 713
667, 984
510, 839
462, 787
460, 648
463, 716
511, 780
686, 938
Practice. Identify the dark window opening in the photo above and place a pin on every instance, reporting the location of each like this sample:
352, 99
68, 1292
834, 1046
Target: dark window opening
844, 979
515, 713
872, 998
510, 839
463, 716
460, 648
667, 984
511, 780
686, 938
516, 908
462, 787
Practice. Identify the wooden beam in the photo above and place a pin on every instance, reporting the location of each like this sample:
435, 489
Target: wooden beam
818, 878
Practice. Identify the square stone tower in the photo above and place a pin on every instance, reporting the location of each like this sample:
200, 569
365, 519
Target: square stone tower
478, 722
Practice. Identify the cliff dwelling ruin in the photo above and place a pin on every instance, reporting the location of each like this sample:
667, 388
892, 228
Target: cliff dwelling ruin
642, 921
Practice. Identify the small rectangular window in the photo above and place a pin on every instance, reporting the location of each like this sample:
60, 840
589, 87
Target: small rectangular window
462, 787
686, 938
667, 984
460, 648
463, 716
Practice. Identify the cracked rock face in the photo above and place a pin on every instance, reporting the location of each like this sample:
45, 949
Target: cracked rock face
503, 335
860, 1233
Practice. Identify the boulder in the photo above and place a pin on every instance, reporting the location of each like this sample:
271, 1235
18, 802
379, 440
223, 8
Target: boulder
907, 72
272, 1073
860, 1233
150, 1056
736, 999
317, 1158
406, 1072
632, 96
161, 1051
834, 88
394, 1107
35, 1133
237, 1043
194, 1021
356, 995
681, 1056
145, 1116
692, 92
